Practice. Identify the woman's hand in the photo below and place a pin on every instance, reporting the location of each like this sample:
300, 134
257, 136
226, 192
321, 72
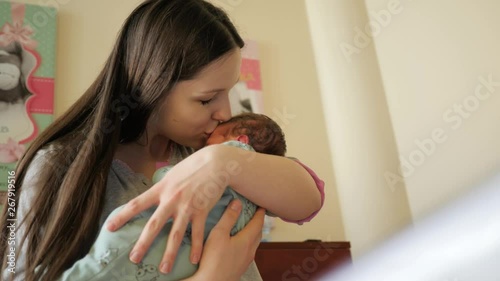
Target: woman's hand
225, 257
186, 193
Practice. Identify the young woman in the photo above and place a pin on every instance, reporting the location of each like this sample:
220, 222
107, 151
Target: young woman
161, 94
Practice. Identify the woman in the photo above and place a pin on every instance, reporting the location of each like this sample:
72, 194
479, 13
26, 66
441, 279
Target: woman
162, 92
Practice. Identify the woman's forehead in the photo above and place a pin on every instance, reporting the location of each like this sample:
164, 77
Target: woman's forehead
222, 72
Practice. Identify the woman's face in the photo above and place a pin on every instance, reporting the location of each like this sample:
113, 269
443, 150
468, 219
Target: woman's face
194, 108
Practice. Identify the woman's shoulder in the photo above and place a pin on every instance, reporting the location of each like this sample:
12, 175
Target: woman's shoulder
43, 159
46, 151
40, 159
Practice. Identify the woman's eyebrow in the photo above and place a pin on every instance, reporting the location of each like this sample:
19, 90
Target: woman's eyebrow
220, 89
213, 91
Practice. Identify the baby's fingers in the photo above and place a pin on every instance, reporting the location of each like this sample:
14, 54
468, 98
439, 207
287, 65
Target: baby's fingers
131, 209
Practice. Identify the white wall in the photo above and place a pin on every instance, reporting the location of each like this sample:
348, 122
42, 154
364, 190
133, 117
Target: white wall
431, 55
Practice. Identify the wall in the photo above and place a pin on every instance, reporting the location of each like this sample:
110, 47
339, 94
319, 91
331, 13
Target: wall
359, 126
432, 55
434, 65
86, 33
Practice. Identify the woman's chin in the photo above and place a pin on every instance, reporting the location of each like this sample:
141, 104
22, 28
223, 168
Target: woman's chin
198, 144
193, 143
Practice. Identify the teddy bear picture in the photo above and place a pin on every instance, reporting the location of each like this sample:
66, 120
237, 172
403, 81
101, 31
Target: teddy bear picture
12, 83
27, 79
15, 123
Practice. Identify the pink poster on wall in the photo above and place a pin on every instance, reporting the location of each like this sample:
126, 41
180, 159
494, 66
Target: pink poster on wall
246, 96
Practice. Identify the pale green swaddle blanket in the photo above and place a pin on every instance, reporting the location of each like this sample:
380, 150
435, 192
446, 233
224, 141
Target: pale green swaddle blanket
108, 258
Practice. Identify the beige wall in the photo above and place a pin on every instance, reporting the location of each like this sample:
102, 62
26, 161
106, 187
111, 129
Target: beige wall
359, 126
436, 66
431, 55
87, 30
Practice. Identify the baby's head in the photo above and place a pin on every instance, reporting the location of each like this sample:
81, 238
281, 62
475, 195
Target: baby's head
257, 130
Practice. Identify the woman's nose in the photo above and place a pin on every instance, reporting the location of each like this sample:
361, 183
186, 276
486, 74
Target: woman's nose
224, 111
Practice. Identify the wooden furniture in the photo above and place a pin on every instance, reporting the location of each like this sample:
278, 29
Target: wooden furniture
297, 261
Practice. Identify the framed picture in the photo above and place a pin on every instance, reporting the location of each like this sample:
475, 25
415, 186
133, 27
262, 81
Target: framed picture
27, 66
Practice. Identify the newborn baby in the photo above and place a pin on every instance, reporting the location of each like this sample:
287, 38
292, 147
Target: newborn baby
108, 258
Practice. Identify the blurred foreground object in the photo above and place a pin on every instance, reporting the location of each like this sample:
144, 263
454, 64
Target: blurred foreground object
460, 242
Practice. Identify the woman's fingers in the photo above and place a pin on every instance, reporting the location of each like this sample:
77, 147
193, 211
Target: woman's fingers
254, 228
148, 235
225, 257
132, 208
197, 233
229, 217
250, 236
174, 241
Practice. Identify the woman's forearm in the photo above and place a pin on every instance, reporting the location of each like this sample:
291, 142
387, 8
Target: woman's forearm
278, 184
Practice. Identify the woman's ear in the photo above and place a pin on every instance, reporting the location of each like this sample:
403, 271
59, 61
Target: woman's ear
243, 139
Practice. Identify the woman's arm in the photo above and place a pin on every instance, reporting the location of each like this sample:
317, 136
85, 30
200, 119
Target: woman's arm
189, 191
281, 185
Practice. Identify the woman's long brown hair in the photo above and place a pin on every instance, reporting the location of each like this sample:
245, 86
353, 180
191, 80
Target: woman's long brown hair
161, 42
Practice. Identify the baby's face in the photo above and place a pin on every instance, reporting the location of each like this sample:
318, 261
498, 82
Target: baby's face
221, 134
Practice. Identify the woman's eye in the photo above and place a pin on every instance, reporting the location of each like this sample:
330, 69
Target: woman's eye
205, 102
